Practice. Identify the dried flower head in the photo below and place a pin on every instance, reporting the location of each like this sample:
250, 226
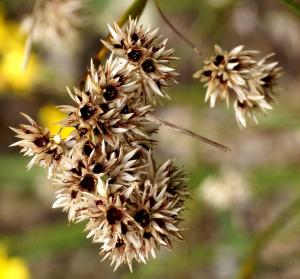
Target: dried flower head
237, 73
52, 20
36, 142
138, 219
108, 106
147, 55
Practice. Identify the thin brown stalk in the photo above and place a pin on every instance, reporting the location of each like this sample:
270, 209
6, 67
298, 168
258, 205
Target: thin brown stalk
187, 132
175, 30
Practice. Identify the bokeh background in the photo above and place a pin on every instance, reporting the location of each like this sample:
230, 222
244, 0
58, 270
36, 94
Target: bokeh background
243, 220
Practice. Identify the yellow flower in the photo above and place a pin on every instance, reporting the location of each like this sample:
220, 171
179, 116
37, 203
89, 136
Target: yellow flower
12, 268
49, 117
12, 44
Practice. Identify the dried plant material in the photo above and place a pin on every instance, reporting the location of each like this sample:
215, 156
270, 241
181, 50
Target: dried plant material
51, 21
147, 54
251, 83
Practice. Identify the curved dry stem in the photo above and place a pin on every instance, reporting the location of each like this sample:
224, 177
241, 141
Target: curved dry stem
175, 30
187, 132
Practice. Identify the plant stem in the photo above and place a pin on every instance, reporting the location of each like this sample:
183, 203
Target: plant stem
175, 30
135, 11
187, 132
249, 264
292, 5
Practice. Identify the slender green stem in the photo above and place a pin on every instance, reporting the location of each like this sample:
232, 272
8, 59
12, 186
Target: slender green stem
293, 5
135, 11
249, 264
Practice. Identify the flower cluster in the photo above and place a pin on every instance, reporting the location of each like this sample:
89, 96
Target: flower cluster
104, 170
51, 20
251, 83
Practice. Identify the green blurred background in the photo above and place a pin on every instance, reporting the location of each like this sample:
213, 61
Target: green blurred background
244, 218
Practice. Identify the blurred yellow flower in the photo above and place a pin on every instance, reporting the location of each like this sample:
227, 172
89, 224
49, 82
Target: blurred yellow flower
49, 117
12, 268
12, 44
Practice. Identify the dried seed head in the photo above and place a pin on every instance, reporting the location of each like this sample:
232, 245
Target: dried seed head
53, 20
146, 52
252, 83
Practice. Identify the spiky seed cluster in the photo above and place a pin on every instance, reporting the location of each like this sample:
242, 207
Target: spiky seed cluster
147, 55
251, 83
52, 20
104, 170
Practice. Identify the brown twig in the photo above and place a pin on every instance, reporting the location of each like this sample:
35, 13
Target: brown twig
175, 30
187, 132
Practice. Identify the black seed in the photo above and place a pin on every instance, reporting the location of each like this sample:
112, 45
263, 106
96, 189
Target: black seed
155, 49
73, 194
119, 244
88, 183
56, 156
137, 155
82, 131
148, 66
86, 112
147, 235
123, 228
41, 142
120, 77
152, 201
77, 171
98, 168
233, 60
99, 202
87, 149
113, 215
160, 222
207, 73
135, 55
117, 46
241, 105
96, 131
104, 107
236, 67
142, 217
110, 93
112, 181
267, 79
125, 110
134, 37
219, 60
145, 146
